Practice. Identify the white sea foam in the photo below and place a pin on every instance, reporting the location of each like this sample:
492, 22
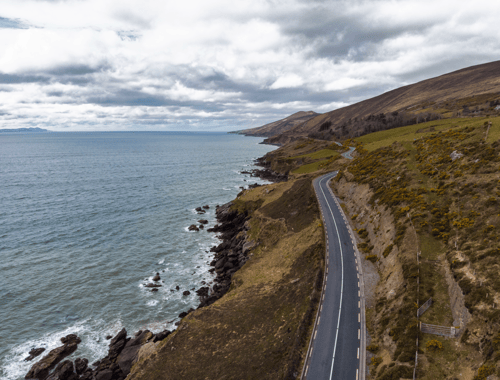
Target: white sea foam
152, 302
161, 261
92, 347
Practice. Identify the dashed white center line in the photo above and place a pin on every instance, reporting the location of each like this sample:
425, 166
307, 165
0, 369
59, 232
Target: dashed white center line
359, 333
358, 352
359, 317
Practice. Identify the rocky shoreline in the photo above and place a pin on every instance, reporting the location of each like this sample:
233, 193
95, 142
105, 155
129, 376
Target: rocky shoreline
229, 256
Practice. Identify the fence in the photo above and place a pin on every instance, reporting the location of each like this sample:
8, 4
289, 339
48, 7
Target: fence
422, 309
449, 332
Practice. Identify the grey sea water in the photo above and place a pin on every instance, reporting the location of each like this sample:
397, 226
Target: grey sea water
87, 218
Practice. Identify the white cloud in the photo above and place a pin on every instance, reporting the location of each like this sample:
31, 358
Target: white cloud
287, 81
129, 63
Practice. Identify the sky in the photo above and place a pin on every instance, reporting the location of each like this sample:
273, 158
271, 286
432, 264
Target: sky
218, 65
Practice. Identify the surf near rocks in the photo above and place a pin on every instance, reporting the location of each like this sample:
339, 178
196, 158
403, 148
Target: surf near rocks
230, 255
123, 352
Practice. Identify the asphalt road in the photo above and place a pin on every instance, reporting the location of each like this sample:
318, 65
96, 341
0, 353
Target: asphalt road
337, 346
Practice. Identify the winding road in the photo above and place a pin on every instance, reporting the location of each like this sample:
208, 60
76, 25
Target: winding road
337, 348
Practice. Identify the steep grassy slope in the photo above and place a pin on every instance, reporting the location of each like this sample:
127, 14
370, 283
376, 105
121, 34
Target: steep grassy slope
259, 329
280, 126
474, 90
442, 190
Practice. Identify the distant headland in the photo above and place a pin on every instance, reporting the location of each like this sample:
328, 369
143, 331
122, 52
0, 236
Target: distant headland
25, 130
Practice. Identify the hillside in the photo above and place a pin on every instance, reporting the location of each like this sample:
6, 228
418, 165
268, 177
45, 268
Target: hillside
470, 91
280, 126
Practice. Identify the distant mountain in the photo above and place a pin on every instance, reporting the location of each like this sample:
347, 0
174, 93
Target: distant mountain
280, 126
24, 130
471, 91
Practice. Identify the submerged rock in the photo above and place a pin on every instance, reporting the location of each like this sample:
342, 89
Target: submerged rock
193, 227
151, 285
34, 352
156, 277
186, 293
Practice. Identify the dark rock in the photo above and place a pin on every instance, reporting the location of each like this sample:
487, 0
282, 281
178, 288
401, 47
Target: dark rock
183, 314
177, 287
41, 369
198, 209
161, 335
201, 212
154, 289
108, 337
151, 285
203, 221
201, 226
206, 207
122, 335
34, 352
157, 277
193, 227
87, 375
81, 365
106, 374
203, 291
186, 293
140, 338
63, 371
96, 364
116, 345
71, 338
127, 358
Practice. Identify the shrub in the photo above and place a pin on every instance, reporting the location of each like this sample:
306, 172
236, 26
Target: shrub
434, 345
354, 217
372, 348
372, 258
388, 250
483, 372
463, 223
376, 361
490, 201
363, 233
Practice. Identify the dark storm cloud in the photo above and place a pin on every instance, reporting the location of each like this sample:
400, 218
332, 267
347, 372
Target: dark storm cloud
125, 97
75, 70
16, 78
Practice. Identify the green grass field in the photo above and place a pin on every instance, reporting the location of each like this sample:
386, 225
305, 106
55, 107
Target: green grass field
309, 168
324, 153
409, 133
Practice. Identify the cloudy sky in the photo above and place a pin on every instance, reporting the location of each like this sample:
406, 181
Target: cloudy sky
223, 65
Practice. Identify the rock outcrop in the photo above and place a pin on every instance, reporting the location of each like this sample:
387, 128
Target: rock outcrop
40, 370
229, 255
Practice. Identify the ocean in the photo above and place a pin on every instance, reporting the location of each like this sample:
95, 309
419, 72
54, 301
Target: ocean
86, 219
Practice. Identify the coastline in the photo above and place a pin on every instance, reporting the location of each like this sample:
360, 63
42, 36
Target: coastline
228, 257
